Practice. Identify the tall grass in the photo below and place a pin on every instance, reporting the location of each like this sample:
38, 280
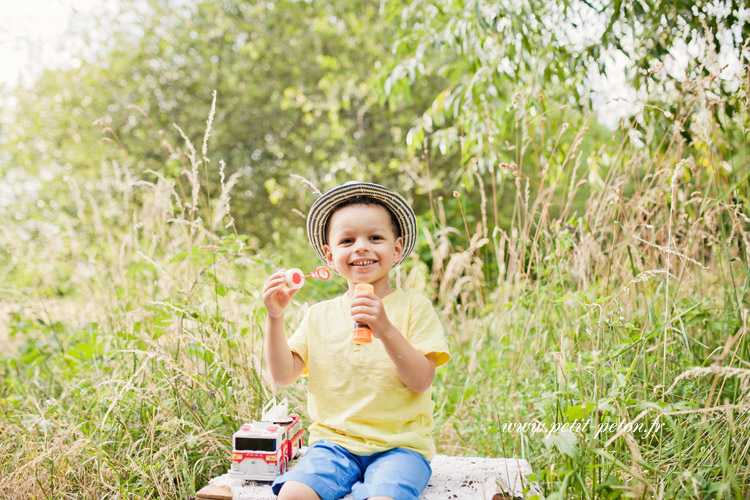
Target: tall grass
136, 349
633, 311
136, 340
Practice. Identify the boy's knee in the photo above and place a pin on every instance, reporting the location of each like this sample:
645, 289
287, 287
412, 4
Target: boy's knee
293, 490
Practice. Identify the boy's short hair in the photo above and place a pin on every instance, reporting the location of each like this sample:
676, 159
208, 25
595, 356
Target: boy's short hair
403, 220
361, 200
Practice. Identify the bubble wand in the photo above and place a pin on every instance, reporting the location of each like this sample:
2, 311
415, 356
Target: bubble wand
295, 278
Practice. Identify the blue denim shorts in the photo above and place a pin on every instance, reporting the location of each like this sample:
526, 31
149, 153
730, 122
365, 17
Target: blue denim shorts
333, 471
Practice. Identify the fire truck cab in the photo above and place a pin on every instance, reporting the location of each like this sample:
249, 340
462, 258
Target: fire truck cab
261, 450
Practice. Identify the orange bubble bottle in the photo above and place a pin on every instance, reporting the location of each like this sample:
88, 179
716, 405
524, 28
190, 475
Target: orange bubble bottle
361, 334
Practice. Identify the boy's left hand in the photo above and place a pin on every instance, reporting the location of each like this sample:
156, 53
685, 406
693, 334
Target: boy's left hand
368, 308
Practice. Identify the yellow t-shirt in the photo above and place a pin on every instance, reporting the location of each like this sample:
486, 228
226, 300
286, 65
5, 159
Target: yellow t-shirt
355, 397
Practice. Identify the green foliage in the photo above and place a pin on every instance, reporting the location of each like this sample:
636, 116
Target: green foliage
510, 87
156, 354
624, 312
295, 99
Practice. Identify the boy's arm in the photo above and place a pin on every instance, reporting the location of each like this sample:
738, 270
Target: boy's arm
285, 366
416, 370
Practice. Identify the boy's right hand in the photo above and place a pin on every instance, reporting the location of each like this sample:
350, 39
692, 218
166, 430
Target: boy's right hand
276, 296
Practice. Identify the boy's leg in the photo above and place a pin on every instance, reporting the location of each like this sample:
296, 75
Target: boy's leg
292, 490
327, 470
399, 474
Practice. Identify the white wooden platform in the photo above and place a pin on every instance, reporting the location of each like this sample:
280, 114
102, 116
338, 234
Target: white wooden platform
457, 478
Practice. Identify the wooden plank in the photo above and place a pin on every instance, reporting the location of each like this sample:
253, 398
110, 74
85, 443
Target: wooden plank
212, 492
459, 478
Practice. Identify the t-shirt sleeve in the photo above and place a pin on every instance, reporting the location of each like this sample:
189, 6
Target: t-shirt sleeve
298, 341
425, 330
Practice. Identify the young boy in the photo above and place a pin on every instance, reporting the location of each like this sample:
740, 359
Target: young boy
370, 403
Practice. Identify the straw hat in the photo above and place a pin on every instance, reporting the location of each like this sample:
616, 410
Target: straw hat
320, 212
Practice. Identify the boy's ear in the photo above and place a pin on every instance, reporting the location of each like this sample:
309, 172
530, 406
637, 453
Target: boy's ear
329, 256
399, 248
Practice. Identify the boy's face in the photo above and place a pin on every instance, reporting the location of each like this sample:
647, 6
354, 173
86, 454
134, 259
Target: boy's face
361, 245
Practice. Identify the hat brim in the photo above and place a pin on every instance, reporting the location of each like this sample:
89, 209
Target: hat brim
321, 210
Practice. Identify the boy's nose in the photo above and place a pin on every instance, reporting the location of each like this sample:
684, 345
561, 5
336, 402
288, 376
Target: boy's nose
360, 244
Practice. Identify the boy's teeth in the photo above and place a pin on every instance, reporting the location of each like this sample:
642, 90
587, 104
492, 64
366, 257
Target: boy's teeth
364, 263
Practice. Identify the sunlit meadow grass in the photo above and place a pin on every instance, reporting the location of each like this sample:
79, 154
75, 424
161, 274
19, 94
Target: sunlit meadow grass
136, 343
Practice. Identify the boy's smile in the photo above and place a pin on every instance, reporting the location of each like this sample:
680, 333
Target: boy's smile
362, 246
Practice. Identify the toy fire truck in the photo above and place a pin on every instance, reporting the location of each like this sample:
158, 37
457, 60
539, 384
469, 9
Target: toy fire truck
262, 450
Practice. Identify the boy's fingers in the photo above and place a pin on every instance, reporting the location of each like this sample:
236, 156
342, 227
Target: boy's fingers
275, 289
357, 300
363, 310
274, 280
364, 307
272, 292
275, 276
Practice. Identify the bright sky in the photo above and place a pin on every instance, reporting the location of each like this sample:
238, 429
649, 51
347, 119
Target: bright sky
31, 39
31, 35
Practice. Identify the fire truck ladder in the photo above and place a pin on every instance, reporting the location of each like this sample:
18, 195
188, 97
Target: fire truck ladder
276, 412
